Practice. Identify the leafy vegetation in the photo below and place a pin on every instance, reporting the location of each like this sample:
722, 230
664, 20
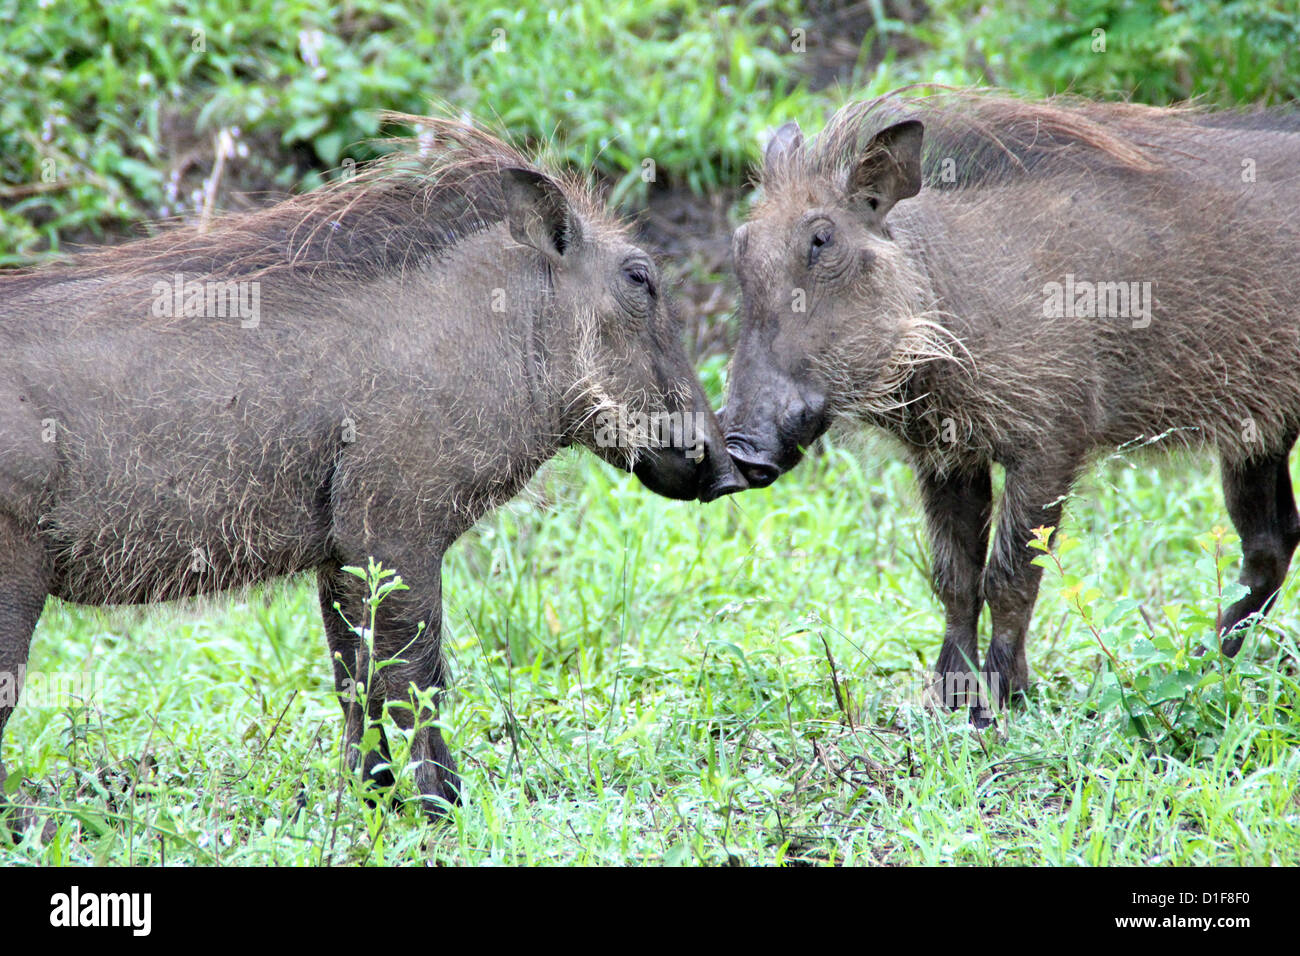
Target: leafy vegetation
1154, 51
112, 112
94, 92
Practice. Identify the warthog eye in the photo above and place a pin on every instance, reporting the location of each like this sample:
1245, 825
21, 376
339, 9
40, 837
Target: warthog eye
820, 240
639, 275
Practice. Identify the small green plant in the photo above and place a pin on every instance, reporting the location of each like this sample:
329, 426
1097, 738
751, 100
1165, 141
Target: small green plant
380, 582
1170, 682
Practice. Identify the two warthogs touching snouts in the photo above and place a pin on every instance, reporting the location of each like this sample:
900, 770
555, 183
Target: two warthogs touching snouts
985, 279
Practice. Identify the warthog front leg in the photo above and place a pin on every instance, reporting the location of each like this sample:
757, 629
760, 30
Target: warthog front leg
24, 585
1032, 497
423, 669
1262, 506
407, 659
351, 671
959, 509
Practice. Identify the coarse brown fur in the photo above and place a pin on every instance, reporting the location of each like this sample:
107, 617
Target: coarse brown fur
426, 335
944, 320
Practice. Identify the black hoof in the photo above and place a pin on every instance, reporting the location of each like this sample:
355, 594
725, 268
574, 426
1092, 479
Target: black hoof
1229, 642
956, 679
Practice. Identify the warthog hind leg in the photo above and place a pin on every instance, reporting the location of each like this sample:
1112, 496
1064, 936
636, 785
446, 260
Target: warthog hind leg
959, 509
1262, 506
1032, 497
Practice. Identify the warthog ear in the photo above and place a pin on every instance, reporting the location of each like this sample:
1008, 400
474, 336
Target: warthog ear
890, 169
538, 213
784, 142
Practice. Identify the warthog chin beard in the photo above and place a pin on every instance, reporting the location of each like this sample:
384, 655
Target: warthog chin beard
638, 423
855, 393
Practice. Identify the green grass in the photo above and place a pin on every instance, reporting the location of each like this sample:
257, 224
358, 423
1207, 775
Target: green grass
642, 681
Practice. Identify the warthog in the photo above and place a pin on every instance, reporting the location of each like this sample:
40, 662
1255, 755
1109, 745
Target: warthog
1063, 277
362, 371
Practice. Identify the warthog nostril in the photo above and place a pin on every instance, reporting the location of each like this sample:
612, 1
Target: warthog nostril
728, 485
757, 471
718, 475
759, 475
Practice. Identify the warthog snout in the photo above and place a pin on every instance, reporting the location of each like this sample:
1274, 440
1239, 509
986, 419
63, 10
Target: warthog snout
719, 475
697, 468
769, 435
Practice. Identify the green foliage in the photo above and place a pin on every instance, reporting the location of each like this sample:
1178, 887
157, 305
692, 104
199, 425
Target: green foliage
108, 106
93, 90
1155, 51
1168, 678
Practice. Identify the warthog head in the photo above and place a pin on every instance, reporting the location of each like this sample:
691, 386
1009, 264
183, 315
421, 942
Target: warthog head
630, 393
833, 312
